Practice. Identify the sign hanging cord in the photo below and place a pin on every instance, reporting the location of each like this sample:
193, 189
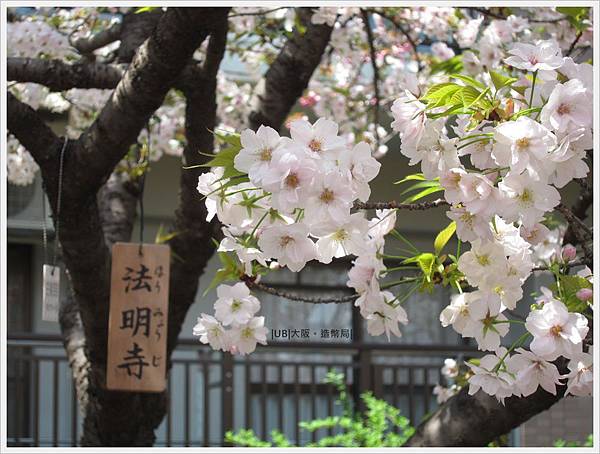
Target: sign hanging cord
59, 199
144, 160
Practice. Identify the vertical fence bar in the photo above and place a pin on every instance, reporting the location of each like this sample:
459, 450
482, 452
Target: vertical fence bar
411, 396
36, 402
264, 401
55, 402
395, 386
330, 405
297, 401
73, 413
313, 391
186, 434
426, 388
280, 397
19, 400
169, 416
228, 393
206, 394
248, 378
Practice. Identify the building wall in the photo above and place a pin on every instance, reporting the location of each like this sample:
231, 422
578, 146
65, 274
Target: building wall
569, 419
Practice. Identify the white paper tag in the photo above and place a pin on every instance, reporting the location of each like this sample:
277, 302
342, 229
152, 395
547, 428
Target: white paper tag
51, 293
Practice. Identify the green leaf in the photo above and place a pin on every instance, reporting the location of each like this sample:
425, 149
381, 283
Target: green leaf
469, 81
421, 184
520, 113
416, 176
570, 285
145, 9
501, 81
452, 65
440, 94
426, 262
422, 194
576, 15
443, 237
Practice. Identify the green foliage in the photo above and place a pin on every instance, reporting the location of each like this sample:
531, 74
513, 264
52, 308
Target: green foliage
372, 428
576, 15
569, 286
443, 237
588, 443
450, 66
422, 188
500, 81
225, 157
231, 270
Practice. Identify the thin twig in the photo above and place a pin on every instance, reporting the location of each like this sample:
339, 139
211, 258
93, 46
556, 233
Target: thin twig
402, 30
487, 12
373, 55
297, 297
400, 206
257, 13
573, 264
572, 219
574, 43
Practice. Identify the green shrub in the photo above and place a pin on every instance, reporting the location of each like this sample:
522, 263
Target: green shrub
375, 427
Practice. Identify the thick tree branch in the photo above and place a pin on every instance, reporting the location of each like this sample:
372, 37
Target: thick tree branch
58, 75
88, 44
289, 74
476, 420
193, 246
27, 126
151, 74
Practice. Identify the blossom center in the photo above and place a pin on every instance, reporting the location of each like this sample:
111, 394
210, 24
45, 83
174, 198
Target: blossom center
266, 154
247, 333
556, 330
285, 240
315, 145
526, 196
533, 60
236, 306
327, 196
522, 143
484, 260
340, 235
564, 109
292, 181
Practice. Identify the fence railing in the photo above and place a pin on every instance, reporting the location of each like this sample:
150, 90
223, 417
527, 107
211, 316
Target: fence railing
274, 388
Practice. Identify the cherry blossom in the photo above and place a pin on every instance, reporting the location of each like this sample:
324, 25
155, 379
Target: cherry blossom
542, 56
532, 371
556, 331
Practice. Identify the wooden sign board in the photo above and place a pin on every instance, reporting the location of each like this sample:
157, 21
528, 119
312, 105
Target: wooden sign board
137, 326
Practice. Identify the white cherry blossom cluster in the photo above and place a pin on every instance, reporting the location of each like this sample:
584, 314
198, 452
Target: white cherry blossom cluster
234, 327
500, 200
294, 203
21, 168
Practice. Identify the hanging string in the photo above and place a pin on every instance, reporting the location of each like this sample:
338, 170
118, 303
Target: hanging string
44, 228
144, 159
59, 200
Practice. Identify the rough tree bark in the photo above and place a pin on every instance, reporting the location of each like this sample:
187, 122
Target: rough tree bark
289, 74
110, 417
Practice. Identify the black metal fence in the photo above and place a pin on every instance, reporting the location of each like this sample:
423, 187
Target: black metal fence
274, 388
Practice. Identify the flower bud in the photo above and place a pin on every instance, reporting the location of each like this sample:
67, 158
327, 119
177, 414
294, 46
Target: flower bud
585, 294
569, 253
